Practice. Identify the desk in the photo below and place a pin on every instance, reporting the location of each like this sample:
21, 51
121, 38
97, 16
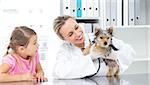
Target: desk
137, 79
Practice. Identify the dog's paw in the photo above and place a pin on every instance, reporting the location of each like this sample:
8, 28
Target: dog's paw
110, 72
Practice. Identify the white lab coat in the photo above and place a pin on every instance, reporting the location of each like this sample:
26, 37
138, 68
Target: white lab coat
71, 63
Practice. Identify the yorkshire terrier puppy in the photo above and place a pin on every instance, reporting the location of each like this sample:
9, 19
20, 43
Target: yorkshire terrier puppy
104, 49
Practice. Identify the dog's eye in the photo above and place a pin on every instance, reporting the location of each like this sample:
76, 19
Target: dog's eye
101, 37
107, 37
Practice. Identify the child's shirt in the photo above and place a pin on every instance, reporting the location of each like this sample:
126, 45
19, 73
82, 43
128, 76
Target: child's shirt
20, 65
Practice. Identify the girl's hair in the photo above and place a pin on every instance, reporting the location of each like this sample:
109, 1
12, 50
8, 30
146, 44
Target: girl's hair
20, 37
59, 22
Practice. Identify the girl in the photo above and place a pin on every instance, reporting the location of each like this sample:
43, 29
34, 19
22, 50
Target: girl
21, 62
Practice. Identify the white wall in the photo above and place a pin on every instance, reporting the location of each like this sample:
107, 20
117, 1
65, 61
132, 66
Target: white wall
139, 38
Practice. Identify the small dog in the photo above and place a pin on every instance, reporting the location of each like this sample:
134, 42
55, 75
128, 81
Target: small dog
104, 49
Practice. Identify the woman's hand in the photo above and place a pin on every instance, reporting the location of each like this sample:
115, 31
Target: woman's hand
86, 50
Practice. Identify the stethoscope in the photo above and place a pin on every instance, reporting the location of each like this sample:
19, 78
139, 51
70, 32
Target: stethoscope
99, 63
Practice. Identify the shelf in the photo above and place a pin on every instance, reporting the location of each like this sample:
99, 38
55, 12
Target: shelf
142, 59
85, 20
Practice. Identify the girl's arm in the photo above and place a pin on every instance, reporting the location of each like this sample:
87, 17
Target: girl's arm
5, 77
40, 73
39, 69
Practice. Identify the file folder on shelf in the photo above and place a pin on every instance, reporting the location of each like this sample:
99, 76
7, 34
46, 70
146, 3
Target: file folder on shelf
73, 8
88, 28
113, 12
96, 8
108, 6
84, 9
125, 12
66, 7
79, 8
119, 13
137, 12
131, 12
89, 6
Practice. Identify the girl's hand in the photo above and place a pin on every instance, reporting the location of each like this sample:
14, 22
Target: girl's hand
40, 77
28, 77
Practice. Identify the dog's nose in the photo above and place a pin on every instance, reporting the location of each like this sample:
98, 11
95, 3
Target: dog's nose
105, 43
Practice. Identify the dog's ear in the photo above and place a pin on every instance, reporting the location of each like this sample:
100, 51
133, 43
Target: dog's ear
97, 31
110, 30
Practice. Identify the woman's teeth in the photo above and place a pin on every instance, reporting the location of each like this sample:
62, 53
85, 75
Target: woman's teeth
80, 37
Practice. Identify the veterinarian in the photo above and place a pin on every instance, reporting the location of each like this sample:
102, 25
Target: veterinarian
70, 61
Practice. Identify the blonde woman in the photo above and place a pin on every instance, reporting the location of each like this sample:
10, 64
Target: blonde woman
70, 61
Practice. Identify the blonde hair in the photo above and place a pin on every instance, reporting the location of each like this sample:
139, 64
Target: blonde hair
20, 37
58, 23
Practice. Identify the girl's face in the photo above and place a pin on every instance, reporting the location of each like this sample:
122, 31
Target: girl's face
72, 32
31, 48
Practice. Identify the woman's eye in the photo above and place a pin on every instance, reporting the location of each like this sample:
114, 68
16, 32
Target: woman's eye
76, 27
70, 34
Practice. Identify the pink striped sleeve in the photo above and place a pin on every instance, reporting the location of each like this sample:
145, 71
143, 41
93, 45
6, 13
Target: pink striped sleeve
9, 60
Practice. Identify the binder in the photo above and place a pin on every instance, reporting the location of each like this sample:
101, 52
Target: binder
89, 6
131, 12
73, 8
102, 20
125, 12
137, 12
96, 8
84, 9
108, 10
79, 8
119, 12
113, 12
88, 27
66, 7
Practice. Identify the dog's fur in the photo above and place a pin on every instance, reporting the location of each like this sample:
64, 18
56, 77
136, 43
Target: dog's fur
104, 48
